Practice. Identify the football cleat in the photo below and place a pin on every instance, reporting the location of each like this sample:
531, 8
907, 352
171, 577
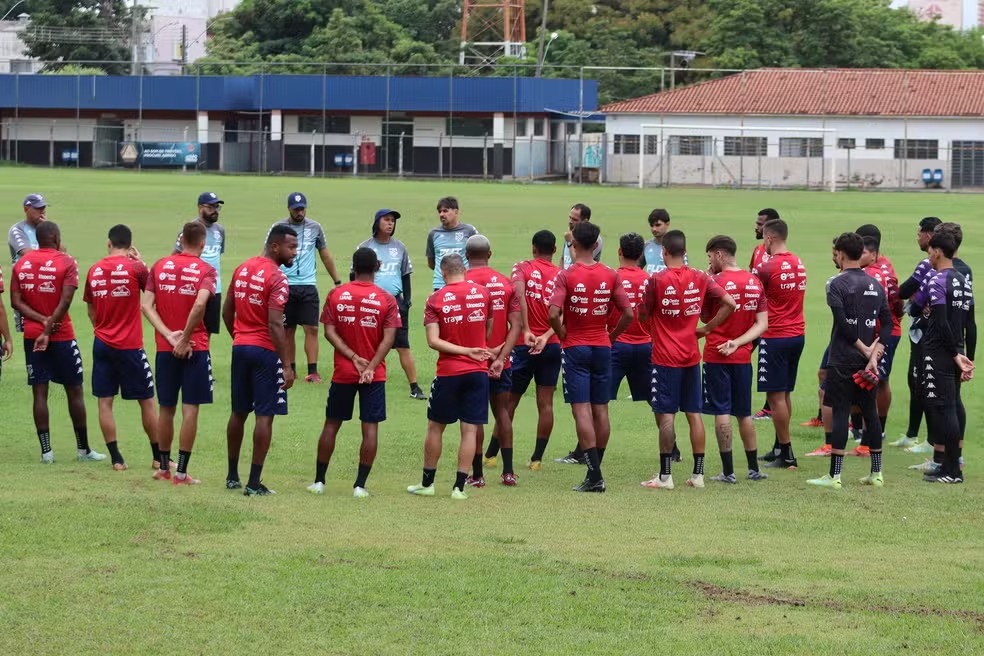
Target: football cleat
826, 481
316, 488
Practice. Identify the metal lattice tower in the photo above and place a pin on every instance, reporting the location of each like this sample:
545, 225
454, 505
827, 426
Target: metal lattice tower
491, 29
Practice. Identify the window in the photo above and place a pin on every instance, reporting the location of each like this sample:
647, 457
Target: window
917, 149
801, 147
874, 144
746, 146
688, 145
626, 144
324, 124
652, 143
520, 127
468, 127
538, 127
845, 144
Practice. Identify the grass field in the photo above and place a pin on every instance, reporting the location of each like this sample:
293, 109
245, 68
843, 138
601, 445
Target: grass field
98, 562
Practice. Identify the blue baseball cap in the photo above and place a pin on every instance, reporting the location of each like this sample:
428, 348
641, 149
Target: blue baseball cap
209, 198
295, 200
379, 215
36, 201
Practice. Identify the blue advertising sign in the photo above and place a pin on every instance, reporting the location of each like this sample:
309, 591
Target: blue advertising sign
154, 153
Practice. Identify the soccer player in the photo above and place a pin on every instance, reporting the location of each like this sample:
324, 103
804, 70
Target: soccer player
672, 303
759, 256
119, 363
22, 238
448, 238
783, 279
458, 320
6, 345
580, 213
42, 287
506, 326
652, 258
537, 358
304, 304
858, 305
360, 321
728, 357
394, 276
176, 303
945, 301
209, 205
253, 314
631, 351
579, 307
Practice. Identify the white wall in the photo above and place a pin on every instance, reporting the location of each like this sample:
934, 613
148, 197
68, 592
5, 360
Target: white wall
43, 129
170, 130
359, 126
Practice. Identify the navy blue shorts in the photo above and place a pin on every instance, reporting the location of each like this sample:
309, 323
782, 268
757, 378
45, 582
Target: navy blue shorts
632, 362
372, 402
503, 384
542, 368
587, 374
257, 382
462, 398
675, 389
124, 372
728, 389
191, 377
778, 362
885, 364
60, 363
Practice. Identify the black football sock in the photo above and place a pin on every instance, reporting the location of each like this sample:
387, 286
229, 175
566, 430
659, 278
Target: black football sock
766, 407
255, 471
819, 414
82, 439
915, 416
751, 457
828, 438
363, 475
165, 460
594, 467
836, 462
428, 478
477, 470
44, 437
156, 450
727, 463
507, 460
539, 449
183, 458
493, 448
601, 454
699, 464
776, 447
938, 457
786, 451
665, 464
114, 453
578, 452
312, 368
320, 469
459, 480
233, 474
876, 462
884, 422
293, 367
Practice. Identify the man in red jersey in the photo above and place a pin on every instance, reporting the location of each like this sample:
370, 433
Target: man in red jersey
537, 357
506, 326
253, 313
6, 346
458, 321
119, 363
759, 257
176, 304
360, 321
42, 289
728, 357
672, 303
579, 308
630, 352
783, 279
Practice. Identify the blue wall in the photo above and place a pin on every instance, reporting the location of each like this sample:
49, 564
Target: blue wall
297, 93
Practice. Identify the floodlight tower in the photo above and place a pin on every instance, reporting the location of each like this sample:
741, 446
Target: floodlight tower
491, 29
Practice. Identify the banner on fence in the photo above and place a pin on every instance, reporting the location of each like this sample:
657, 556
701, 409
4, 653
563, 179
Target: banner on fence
156, 153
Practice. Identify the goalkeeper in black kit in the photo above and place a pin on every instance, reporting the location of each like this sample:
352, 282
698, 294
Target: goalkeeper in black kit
862, 325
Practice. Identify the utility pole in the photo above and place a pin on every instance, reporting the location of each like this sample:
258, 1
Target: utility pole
134, 46
543, 37
184, 47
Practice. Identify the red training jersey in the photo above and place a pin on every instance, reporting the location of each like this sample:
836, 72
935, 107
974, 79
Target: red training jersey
112, 288
586, 292
1, 280
360, 312
634, 281
759, 257
175, 281
783, 279
536, 278
746, 290
461, 310
41, 275
890, 281
258, 286
504, 302
674, 299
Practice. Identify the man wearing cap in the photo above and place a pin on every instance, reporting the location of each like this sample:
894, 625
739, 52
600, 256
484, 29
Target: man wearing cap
21, 237
303, 304
394, 276
209, 205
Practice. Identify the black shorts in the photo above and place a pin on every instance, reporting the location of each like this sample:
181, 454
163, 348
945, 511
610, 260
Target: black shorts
840, 390
213, 314
303, 306
402, 340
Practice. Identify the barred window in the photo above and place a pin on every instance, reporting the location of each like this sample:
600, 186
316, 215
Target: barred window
626, 144
468, 127
746, 146
801, 147
324, 124
917, 149
691, 145
874, 144
845, 144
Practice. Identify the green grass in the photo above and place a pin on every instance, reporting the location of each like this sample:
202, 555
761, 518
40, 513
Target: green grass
97, 562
